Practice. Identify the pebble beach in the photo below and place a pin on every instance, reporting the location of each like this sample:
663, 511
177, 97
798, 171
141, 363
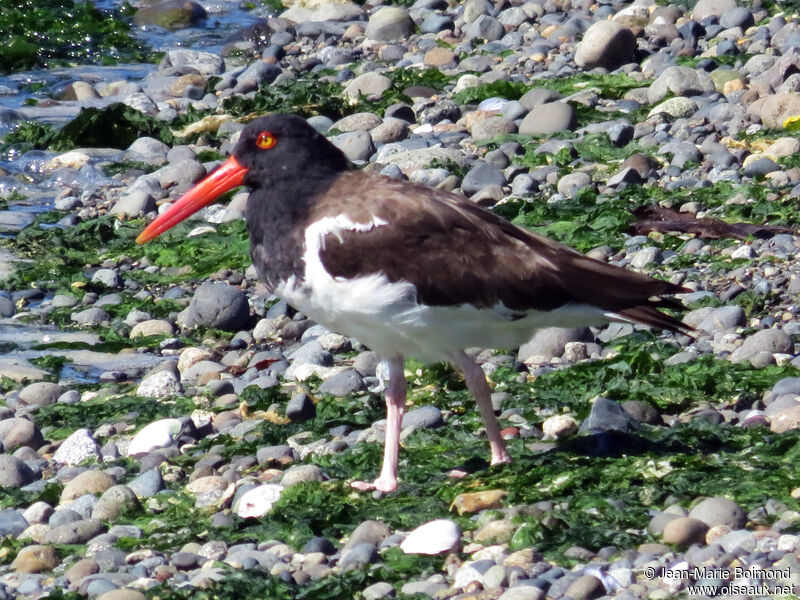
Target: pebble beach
171, 430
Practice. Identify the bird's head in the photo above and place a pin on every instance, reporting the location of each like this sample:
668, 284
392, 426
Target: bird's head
270, 149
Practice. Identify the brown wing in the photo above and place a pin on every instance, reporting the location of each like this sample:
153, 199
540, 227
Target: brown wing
455, 252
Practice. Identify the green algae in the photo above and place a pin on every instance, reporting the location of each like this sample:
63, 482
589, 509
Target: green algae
114, 126
59, 256
315, 95
63, 419
44, 33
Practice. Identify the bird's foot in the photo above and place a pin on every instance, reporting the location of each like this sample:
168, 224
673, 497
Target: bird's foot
381, 484
500, 458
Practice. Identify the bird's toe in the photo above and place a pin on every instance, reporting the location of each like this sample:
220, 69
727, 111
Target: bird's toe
381, 484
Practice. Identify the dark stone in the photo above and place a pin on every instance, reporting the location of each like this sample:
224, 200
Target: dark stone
219, 306
300, 408
319, 544
424, 417
342, 384
606, 415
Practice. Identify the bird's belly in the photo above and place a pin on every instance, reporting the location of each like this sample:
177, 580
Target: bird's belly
386, 317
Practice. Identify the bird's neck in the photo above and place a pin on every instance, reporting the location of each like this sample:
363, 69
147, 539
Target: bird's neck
277, 216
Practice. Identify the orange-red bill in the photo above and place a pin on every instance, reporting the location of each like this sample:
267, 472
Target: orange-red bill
229, 175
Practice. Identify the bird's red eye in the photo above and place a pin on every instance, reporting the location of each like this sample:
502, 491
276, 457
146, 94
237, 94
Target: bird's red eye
266, 140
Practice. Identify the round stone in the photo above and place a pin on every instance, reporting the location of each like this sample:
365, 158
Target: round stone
684, 531
433, 537
35, 559
605, 44
719, 511
88, 482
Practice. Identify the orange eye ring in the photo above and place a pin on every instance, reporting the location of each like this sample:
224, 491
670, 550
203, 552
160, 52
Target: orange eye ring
266, 140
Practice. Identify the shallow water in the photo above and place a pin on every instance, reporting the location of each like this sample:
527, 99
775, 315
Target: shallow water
30, 188
19, 341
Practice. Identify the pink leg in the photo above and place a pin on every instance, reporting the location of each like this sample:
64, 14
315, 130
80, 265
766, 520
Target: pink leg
395, 407
476, 382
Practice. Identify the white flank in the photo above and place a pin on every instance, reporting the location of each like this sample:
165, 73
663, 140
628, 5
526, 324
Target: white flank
386, 316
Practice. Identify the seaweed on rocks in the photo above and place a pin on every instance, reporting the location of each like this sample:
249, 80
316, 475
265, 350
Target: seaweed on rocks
115, 126
42, 33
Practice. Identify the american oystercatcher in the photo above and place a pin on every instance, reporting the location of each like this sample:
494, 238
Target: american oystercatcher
406, 269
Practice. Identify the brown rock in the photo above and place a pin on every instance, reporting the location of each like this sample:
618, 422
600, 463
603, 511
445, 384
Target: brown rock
717, 532
151, 327
585, 587
734, 85
496, 532
81, 569
786, 420
122, 594
178, 87
88, 482
685, 531
440, 57
779, 107
35, 559
471, 502
18, 432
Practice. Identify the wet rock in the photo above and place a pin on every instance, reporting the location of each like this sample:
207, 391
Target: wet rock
170, 14
207, 63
